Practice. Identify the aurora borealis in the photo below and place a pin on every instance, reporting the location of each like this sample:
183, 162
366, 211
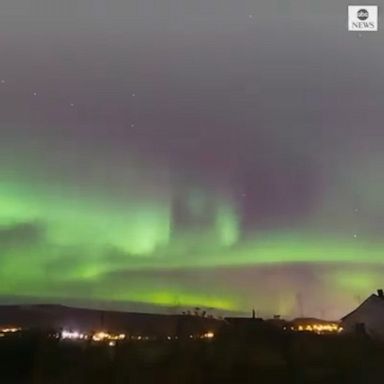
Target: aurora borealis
183, 153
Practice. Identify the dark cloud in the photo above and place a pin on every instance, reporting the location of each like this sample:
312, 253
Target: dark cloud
21, 235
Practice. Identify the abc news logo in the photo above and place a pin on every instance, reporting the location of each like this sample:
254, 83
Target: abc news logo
362, 18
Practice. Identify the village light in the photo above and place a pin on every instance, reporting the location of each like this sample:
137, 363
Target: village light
209, 335
103, 336
10, 330
320, 328
69, 335
99, 336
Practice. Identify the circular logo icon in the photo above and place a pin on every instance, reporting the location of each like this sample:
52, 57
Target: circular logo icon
362, 14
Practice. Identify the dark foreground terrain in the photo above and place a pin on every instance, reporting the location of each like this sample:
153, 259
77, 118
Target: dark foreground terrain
231, 357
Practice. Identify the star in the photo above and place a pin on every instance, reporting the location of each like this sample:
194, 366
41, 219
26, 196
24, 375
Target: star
72, 105
34, 93
356, 210
132, 125
355, 236
133, 94
2, 81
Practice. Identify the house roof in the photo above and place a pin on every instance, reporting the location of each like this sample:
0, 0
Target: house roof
373, 298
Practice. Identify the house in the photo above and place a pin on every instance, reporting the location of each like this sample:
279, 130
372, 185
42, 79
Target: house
367, 318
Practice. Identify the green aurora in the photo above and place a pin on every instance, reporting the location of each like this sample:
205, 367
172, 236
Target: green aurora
179, 154
67, 240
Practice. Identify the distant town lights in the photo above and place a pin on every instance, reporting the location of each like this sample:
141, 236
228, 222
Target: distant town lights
105, 336
69, 335
208, 335
320, 328
10, 330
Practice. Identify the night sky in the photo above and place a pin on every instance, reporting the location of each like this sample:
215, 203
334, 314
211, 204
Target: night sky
182, 153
